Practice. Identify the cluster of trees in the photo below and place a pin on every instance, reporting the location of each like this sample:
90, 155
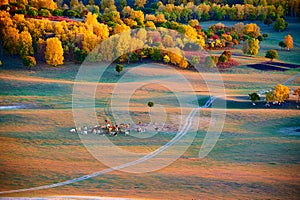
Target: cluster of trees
276, 96
287, 42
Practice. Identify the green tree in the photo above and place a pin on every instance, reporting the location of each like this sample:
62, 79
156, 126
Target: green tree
272, 54
119, 68
150, 104
280, 24
254, 97
282, 45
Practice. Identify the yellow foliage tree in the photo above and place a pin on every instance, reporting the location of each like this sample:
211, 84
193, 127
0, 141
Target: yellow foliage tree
121, 28
288, 41
25, 44
101, 30
150, 24
91, 19
89, 41
10, 39
54, 52
252, 30
140, 3
281, 93
168, 41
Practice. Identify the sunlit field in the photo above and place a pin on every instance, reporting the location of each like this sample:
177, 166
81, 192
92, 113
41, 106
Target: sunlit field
176, 54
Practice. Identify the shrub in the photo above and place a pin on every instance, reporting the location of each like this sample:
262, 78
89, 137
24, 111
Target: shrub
29, 61
282, 44
195, 60
228, 64
44, 13
150, 104
80, 55
166, 59
223, 59
156, 55
260, 38
272, 54
228, 54
57, 12
265, 35
209, 62
261, 17
119, 68
32, 12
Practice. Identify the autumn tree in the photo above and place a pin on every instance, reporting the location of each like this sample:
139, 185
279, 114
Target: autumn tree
119, 28
288, 41
252, 30
297, 92
140, 3
25, 44
54, 52
281, 93
269, 97
251, 46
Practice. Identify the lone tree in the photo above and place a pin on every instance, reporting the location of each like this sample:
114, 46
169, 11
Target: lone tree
119, 68
254, 97
282, 45
150, 104
288, 41
272, 54
29, 61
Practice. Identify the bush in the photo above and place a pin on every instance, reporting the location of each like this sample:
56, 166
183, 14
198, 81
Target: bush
265, 35
195, 60
272, 54
282, 44
29, 61
119, 68
166, 59
44, 13
70, 13
57, 12
150, 104
261, 17
209, 62
32, 12
156, 55
228, 54
260, 38
223, 59
80, 55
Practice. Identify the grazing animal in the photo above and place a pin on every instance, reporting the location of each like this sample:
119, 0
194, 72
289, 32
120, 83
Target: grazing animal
73, 130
